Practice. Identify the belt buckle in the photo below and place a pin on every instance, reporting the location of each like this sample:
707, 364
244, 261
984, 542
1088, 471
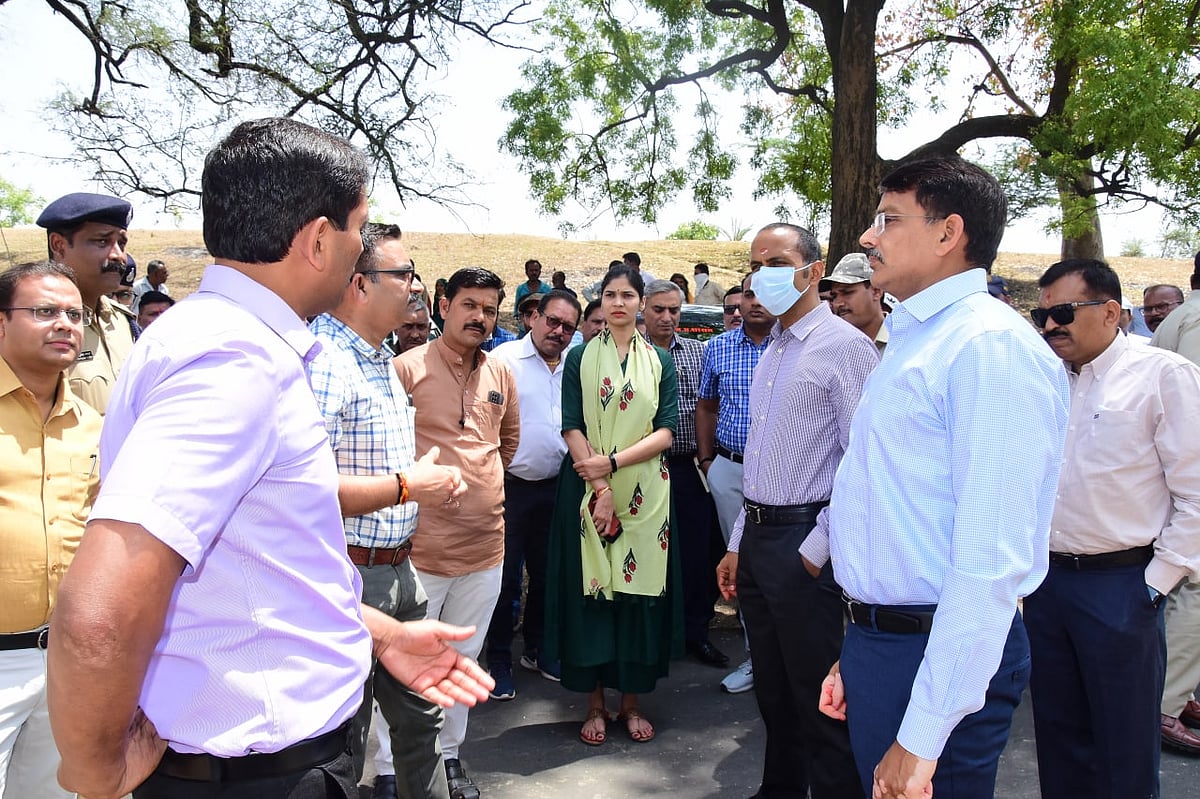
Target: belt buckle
754, 511
849, 603
43, 639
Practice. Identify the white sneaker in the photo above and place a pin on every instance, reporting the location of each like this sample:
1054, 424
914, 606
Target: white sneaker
740, 679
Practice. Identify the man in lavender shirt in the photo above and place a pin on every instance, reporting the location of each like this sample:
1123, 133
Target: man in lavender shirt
804, 391
209, 640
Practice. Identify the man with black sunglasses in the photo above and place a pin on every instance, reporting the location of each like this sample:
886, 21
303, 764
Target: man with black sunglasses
529, 482
1125, 531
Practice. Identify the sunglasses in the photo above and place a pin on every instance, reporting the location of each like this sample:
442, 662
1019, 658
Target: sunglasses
732, 309
1061, 314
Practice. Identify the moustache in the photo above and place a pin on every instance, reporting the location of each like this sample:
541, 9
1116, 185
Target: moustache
475, 326
111, 266
871, 252
1056, 333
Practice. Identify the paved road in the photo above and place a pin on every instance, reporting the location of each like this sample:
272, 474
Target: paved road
708, 744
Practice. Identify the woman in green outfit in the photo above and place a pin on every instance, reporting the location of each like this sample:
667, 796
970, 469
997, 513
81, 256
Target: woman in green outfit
613, 615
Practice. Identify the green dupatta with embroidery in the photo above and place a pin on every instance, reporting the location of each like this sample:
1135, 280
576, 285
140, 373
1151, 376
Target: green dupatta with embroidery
618, 410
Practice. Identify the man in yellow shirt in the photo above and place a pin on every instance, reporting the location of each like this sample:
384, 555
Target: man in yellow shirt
49, 442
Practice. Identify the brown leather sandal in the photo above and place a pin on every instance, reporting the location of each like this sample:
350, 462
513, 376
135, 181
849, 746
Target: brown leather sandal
593, 714
636, 733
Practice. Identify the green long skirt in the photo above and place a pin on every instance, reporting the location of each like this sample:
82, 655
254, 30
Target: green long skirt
625, 643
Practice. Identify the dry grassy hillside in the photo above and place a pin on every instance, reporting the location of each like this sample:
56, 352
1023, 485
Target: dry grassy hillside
439, 254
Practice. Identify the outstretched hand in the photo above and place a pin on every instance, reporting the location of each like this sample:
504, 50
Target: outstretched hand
418, 654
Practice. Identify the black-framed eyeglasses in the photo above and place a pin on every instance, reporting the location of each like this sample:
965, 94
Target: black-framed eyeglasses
1161, 307
731, 309
405, 274
1061, 314
553, 322
45, 313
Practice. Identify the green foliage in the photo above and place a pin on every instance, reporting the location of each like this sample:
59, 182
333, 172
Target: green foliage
736, 230
696, 230
1133, 248
1179, 241
17, 204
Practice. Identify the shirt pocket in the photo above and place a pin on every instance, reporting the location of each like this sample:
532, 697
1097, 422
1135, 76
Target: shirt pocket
1117, 438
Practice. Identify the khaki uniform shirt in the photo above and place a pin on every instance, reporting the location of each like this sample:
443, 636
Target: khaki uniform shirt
106, 344
48, 481
473, 416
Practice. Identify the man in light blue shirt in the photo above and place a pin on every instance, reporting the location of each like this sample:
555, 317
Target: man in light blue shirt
937, 525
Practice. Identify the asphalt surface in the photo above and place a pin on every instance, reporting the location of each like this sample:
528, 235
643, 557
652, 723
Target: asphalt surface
707, 743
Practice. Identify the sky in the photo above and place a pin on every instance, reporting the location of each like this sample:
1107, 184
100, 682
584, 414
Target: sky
470, 125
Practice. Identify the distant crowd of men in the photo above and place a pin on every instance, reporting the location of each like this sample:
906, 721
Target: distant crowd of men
311, 495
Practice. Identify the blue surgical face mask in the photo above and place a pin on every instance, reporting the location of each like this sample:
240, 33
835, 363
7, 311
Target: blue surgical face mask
775, 287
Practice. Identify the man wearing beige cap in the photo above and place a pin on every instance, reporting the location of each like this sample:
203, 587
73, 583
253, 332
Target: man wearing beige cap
853, 298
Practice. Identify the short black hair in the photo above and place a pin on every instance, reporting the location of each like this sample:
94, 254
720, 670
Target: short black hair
806, 243
631, 258
948, 185
151, 297
372, 234
559, 294
472, 277
1101, 281
268, 179
701, 267
10, 278
154, 266
736, 288
629, 273
533, 261
591, 308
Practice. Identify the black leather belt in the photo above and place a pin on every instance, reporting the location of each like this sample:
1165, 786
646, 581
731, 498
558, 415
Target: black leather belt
779, 515
378, 556
34, 639
729, 455
1138, 556
889, 619
298, 757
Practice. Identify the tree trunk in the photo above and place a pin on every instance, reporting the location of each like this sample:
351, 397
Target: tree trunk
856, 165
1081, 236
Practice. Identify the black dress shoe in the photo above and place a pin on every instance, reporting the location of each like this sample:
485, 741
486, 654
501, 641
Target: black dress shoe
1179, 738
460, 785
385, 787
708, 654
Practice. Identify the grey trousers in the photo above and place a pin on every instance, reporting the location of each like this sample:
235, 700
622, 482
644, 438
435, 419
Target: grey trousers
413, 723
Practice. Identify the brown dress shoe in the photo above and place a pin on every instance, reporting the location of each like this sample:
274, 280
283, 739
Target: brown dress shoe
1191, 714
1179, 738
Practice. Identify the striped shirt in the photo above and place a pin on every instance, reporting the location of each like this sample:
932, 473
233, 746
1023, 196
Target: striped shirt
370, 424
946, 491
802, 398
728, 366
687, 354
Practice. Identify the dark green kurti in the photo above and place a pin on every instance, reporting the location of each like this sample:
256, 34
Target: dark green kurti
627, 642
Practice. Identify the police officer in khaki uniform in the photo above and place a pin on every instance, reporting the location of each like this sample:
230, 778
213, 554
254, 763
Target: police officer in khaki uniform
87, 233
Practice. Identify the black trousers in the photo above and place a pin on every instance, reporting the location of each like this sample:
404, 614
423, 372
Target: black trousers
528, 508
795, 626
694, 510
332, 780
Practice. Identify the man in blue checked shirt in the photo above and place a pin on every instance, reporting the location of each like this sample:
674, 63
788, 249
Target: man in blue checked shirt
937, 526
370, 424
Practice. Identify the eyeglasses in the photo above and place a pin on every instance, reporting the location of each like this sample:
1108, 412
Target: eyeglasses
46, 313
732, 309
879, 223
553, 322
1061, 314
404, 274
1161, 307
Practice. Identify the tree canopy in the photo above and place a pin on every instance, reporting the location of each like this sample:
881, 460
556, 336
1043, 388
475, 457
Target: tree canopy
167, 76
1093, 100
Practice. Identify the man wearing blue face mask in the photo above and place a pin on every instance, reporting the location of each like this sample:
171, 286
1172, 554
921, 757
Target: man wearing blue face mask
804, 392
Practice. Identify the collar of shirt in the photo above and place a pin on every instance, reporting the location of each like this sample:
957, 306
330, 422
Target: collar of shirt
336, 328
800, 329
739, 334
1104, 362
265, 305
941, 295
64, 401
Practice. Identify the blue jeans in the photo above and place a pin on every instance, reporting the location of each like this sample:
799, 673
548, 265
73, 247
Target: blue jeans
878, 670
